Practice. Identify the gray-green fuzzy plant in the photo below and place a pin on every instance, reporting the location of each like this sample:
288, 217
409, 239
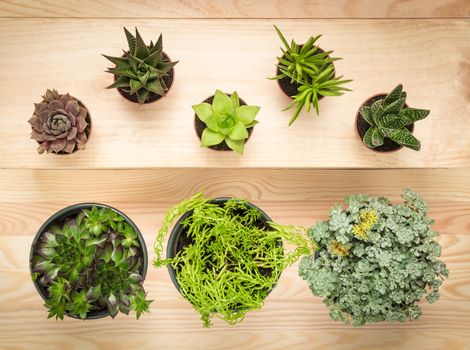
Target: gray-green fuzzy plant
375, 260
388, 118
91, 263
232, 262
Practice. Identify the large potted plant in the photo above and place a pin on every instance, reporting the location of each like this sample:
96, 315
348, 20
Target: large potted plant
224, 255
224, 122
375, 260
89, 261
60, 123
385, 123
306, 73
144, 73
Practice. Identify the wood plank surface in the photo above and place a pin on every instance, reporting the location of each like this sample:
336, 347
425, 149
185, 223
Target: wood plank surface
291, 318
237, 8
431, 59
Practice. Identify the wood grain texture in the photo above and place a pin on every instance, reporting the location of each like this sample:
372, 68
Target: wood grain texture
431, 59
237, 8
291, 317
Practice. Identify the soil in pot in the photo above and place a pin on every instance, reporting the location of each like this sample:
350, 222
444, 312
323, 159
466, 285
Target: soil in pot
199, 126
70, 213
289, 88
362, 126
152, 97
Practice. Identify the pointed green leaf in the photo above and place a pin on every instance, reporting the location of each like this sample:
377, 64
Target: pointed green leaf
391, 121
394, 95
368, 137
376, 110
405, 138
141, 50
130, 41
281, 36
221, 103
412, 114
203, 111
135, 86
211, 138
247, 114
142, 95
365, 112
121, 82
236, 145
239, 132
377, 138
155, 86
235, 100
143, 78
394, 107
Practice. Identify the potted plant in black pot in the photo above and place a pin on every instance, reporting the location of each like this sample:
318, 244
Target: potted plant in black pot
224, 255
385, 123
89, 261
144, 73
306, 73
224, 122
376, 260
60, 124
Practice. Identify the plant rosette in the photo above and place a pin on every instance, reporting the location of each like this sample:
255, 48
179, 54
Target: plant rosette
224, 122
144, 73
306, 74
385, 123
60, 124
89, 261
376, 260
225, 255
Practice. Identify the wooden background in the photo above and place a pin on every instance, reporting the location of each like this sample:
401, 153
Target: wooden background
145, 159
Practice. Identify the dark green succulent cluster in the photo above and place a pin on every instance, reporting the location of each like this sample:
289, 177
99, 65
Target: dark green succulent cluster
311, 68
234, 257
92, 262
142, 69
376, 260
388, 118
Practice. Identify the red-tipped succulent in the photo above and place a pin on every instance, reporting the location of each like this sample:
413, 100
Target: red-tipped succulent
59, 123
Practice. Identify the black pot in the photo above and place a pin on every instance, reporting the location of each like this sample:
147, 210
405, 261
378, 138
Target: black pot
178, 240
291, 89
70, 212
199, 126
362, 126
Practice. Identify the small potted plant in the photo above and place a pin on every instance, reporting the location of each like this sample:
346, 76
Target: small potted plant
224, 122
60, 124
385, 123
144, 73
225, 255
306, 73
89, 261
375, 260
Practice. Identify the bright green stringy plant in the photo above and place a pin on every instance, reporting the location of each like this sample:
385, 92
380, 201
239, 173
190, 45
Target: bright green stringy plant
226, 120
91, 263
142, 69
231, 264
312, 69
388, 118
376, 260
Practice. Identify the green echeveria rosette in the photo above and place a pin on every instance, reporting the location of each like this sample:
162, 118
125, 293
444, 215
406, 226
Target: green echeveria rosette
376, 260
226, 121
89, 261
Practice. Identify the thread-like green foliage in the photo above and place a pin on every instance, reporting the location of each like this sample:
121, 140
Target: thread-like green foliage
376, 260
226, 120
142, 69
233, 260
91, 262
313, 69
387, 117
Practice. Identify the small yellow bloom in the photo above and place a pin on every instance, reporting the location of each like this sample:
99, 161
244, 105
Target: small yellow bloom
368, 218
338, 248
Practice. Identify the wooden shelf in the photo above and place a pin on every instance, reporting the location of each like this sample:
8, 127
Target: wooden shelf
429, 57
292, 316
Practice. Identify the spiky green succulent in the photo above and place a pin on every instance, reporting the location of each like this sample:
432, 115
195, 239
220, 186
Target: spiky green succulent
388, 118
91, 263
142, 69
376, 261
226, 120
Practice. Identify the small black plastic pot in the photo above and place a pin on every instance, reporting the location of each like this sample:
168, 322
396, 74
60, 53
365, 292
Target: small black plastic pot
199, 126
362, 126
178, 238
292, 88
152, 97
71, 212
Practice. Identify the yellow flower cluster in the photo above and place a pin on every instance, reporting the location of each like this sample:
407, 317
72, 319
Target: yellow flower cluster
338, 248
368, 218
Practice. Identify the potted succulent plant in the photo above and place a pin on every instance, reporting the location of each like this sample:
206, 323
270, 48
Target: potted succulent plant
306, 73
385, 123
375, 260
225, 255
89, 261
60, 124
224, 122
144, 73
